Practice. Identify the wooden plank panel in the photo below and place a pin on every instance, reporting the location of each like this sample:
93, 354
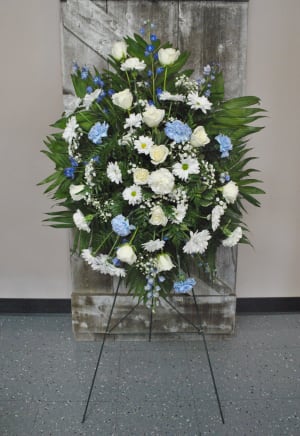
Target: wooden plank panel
216, 32
90, 315
164, 14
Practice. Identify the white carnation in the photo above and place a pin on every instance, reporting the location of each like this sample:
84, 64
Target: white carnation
90, 98
133, 64
154, 245
114, 173
197, 243
70, 133
161, 181
234, 238
230, 192
167, 96
76, 192
133, 121
80, 221
216, 214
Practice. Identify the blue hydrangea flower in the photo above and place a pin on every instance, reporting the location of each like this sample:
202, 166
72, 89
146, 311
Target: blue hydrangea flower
225, 144
184, 286
97, 132
121, 226
178, 131
69, 172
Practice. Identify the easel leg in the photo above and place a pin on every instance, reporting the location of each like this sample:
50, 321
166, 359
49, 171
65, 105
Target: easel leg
100, 352
201, 332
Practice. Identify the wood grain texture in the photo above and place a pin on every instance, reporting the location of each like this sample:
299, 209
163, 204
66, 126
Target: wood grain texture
212, 31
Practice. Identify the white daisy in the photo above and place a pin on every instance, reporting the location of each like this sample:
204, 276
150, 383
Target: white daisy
70, 133
186, 167
153, 245
216, 214
143, 144
90, 98
80, 221
196, 102
134, 121
234, 238
165, 95
197, 243
113, 172
133, 194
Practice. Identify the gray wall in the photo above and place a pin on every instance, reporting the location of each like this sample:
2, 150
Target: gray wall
34, 258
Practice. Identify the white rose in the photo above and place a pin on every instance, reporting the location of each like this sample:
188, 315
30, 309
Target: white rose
158, 154
76, 192
133, 64
163, 262
158, 218
126, 254
140, 176
123, 99
161, 181
230, 192
153, 116
167, 56
119, 50
199, 137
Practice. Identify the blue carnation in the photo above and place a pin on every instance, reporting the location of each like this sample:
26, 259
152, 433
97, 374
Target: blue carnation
225, 144
97, 132
184, 286
121, 226
178, 131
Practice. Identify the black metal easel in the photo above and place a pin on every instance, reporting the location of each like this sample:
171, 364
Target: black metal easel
109, 330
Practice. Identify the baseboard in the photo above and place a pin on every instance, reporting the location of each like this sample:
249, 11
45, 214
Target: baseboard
244, 305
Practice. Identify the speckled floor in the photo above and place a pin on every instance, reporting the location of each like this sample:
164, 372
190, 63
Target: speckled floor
157, 388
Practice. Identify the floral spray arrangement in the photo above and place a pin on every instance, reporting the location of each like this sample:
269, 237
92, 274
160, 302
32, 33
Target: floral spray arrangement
152, 167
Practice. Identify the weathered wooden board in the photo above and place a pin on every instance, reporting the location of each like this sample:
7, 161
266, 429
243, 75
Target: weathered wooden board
91, 313
212, 31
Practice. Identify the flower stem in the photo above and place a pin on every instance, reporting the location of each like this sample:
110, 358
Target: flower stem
102, 243
115, 243
165, 77
133, 236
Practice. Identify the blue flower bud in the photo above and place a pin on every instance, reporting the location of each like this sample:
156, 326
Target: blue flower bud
75, 67
89, 89
153, 37
161, 279
116, 261
149, 73
147, 53
158, 91
155, 56
69, 172
110, 92
73, 162
97, 80
159, 70
150, 48
150, 102
84, 73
